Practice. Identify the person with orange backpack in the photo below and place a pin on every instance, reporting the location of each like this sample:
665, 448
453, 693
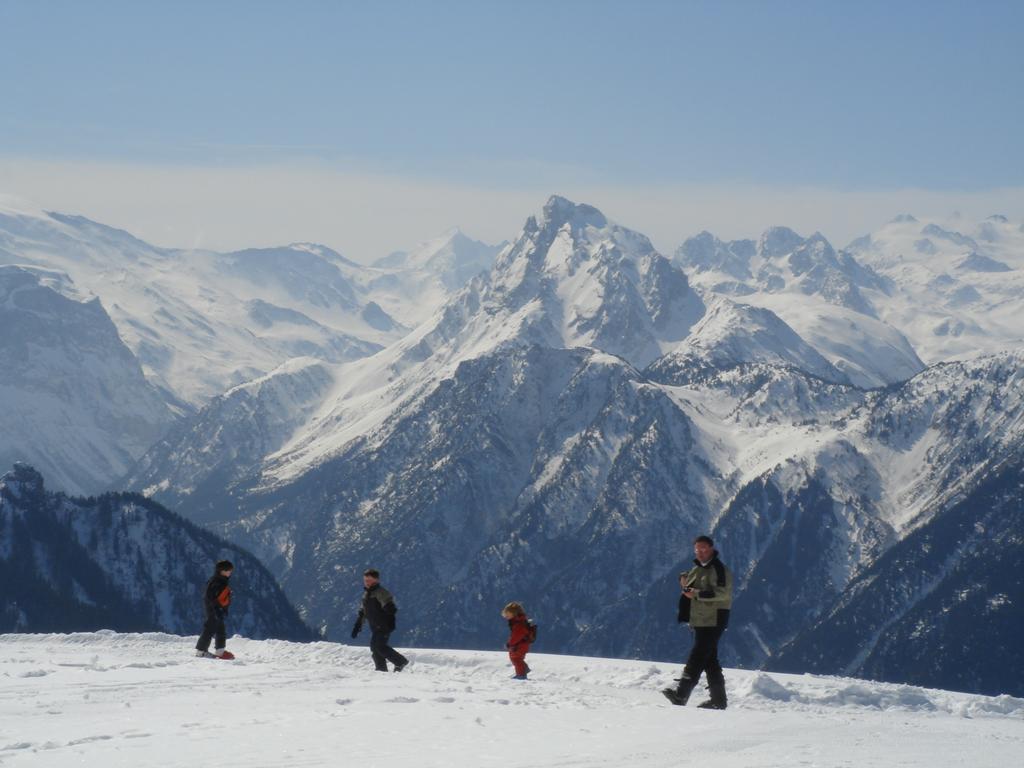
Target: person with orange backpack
522, 634
216, 600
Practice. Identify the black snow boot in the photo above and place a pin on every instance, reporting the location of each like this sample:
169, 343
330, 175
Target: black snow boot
717, 698
681, 694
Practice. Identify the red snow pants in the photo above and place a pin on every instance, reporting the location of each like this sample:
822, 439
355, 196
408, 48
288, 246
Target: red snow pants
517, 656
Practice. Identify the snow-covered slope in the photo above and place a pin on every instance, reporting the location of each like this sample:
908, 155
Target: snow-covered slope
923, 608
411, 285
829, 298
129, 700
731, 333
73, 398
957, 287
229, 438
201, 322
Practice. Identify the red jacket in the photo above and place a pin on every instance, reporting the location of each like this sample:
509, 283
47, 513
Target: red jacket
519, 633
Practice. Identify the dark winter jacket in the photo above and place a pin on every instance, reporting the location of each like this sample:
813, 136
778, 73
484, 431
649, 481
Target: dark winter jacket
710, 606
217, 596
518, 634
378, 609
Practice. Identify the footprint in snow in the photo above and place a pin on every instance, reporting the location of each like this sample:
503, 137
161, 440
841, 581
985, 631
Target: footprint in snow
88, 740
403, 700
445, 700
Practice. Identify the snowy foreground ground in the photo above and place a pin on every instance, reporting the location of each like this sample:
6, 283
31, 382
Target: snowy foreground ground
104, 699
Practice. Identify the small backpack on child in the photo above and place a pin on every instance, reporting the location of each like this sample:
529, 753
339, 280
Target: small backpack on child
531, 627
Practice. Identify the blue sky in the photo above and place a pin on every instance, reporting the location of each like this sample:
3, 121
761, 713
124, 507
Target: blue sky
521, 97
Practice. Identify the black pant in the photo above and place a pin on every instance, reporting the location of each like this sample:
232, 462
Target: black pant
383, 653
704, 656
214, 626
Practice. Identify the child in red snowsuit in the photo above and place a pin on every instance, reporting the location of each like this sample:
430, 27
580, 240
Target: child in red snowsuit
519, 638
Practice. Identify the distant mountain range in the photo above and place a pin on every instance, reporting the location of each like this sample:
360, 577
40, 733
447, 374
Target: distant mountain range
558, 427
189, 325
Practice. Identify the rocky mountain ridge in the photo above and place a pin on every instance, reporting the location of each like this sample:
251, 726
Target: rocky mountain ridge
121, 562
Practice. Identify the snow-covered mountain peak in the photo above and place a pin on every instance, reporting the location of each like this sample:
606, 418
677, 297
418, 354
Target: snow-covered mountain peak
568, 237
934, 230
731, 334
813, 252
576, 280
825, 296
72, 242
411, 285
956, 286
559, 211
778, 241
706, 253
594, 283
200, 321
453, 255
579, 231
819, 243
699, 250
997, 229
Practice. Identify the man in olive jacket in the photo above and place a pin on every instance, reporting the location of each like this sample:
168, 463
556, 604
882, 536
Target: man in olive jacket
705, 603
379, 610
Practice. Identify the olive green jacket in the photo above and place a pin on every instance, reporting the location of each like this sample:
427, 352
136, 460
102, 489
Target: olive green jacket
710, 606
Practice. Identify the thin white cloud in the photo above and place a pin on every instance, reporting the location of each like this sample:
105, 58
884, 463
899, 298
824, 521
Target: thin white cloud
366, 215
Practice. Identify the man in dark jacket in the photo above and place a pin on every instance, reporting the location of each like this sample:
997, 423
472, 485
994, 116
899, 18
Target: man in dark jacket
705, 603
379, 611
216, 599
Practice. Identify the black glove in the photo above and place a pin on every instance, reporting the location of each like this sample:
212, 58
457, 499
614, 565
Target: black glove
356, 628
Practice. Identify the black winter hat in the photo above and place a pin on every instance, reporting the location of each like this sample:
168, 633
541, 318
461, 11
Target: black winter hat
225, 565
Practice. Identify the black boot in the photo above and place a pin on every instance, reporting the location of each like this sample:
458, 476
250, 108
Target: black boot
717, 698
681, 694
